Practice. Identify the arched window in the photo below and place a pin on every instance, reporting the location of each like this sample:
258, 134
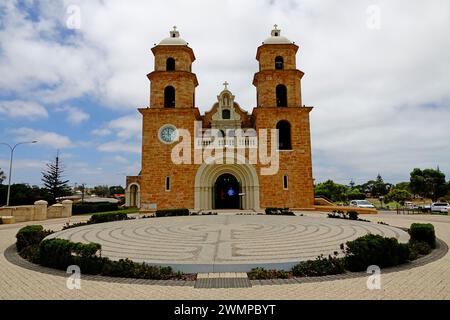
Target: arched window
169, 97
226, 114
284, 135
170, 64
279, 63
281, 93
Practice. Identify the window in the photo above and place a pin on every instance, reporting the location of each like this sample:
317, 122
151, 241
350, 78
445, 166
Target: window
281, 95
284, 135
167, 183
170, 64
226, 114
279, 63
285, 182
169, 97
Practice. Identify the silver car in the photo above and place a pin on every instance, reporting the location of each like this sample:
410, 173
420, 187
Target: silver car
440, 207
361, 204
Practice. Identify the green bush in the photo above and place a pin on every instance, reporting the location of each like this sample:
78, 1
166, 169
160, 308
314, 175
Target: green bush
320, 267
129, 269
61, 253
263, 274
108, 217
172, 212
375, 250
352, 215
30, 235
31, 253
418, 248
279, 211
83, 208
423, 232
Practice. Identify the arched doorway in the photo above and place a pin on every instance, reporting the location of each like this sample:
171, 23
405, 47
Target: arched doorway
226, 192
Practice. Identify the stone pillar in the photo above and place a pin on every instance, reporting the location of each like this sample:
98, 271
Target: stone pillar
67, 208
40, 210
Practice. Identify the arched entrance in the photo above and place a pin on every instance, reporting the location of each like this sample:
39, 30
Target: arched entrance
226, 192
132, 196
245, 174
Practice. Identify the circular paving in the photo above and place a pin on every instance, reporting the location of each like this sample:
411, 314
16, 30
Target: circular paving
225, 243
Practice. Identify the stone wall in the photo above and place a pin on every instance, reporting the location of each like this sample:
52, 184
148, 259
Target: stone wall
37, 212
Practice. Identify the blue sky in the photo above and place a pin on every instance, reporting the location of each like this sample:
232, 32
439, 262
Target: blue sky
377, 73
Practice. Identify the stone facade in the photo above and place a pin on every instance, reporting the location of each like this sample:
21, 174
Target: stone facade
164, 183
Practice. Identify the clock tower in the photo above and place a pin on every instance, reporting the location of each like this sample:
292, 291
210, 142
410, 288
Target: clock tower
171, 106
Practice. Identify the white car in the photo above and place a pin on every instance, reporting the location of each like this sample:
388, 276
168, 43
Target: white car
361, 204
440, 207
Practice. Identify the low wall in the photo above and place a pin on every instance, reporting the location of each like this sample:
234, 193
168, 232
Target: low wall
38, 211
346, 208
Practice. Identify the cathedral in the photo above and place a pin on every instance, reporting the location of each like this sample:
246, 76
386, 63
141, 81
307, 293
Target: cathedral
226, 158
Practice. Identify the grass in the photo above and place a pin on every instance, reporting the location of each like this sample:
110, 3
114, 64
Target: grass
127, 211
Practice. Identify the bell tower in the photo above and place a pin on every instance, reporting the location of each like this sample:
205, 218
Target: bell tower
172, 83
278, 80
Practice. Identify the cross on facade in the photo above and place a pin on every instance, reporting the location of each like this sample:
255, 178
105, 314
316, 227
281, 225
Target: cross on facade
275, 26
226, 85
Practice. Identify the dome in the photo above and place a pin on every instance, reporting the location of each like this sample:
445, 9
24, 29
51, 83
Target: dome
276, 37
174, 39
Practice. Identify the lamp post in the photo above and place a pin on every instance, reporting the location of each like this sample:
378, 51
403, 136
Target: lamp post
10, 165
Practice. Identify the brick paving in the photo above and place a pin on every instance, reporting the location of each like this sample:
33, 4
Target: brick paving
428, 281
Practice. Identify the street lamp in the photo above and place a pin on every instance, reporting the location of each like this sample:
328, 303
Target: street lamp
10, 165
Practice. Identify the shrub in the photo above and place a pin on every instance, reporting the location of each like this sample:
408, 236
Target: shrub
262, 274
30, 235
61, 253
129, 269
279, 211
320, 267
418, 248
82, 208
108, 217
423, 232
375, 250
352, 215
30, 253
172, 212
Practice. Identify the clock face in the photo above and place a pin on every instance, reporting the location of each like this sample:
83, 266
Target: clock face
167, 134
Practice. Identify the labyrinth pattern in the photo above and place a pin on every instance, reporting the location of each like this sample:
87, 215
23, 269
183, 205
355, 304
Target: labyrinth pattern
215, 240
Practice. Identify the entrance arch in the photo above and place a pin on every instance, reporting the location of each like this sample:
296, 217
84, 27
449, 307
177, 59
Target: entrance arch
245, 174
226, 192
132, 195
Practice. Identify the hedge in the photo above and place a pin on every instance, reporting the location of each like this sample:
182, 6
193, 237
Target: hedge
375, 250
82, 208
172, 212
320, 267
108, 217
30, 235
423, 232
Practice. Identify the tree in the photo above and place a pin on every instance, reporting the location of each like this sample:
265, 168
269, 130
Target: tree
376, 187
331, 190
116, 190
403, 186
2, 176
53, 180
101, 191
23, 194
398, 195
428, 183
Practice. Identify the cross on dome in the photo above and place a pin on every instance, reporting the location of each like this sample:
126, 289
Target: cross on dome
174, 33
275, 31
226, 85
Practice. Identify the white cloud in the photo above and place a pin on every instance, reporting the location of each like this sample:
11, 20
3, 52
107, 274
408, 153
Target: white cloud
76, 116
43, 138
23, 109
381, 96
119, 146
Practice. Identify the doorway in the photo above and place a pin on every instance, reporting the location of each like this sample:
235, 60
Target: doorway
226, 192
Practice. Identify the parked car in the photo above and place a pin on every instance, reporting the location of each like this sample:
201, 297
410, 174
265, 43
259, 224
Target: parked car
440, 207
361, 204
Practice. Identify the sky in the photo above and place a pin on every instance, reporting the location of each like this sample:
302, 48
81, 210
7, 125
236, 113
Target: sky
73, 73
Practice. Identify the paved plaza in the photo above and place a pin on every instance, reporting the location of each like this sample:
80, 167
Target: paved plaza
22, 280
229, 243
